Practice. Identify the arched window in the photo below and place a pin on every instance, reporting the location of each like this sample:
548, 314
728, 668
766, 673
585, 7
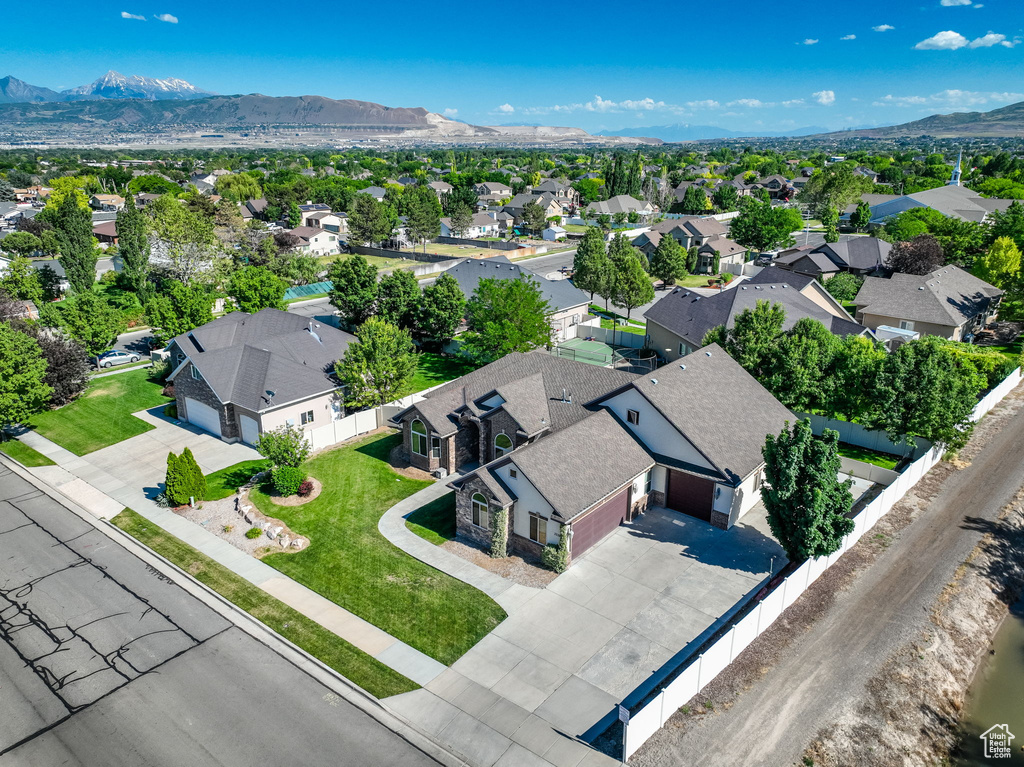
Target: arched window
502, 445
419, 438
480, 515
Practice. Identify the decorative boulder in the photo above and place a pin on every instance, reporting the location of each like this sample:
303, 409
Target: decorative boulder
298, 543
284, 541
273, 532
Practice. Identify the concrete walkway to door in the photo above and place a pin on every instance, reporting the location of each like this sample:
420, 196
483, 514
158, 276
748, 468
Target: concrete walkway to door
550, 676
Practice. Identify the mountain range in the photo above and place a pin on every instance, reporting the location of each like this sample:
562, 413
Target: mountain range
1004, 122
686, 132
113, 85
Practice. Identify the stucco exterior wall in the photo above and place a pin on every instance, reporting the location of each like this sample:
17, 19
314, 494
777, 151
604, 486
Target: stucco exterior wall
872, 321
290, 414
528, 500
653, 430
665, 342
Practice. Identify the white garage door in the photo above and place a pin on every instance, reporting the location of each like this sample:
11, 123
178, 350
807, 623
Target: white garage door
250, 430
203, 416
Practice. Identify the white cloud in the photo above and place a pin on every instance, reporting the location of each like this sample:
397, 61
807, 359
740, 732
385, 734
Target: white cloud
825, 98
705, 104
126, 15
848, 37
166, 17
793, 103
883, 28
506, 108
943, 41
809, 41
951, 99
950, 3
750, 103
987, 41
450, 112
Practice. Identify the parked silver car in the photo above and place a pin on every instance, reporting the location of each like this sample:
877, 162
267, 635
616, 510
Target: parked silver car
116, 357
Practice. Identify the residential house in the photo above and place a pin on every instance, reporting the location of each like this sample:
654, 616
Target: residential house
548, 203
332, 222
145, 198
440, 187
255, 209
499, 188
557, 450
481, 225
778, 187
554, 233
621, 203
951, 201
106, 202
859, 255
677, 324
566, 195
708, 235
242, 375
316, 242
106, 232
376, 192
567, 304
407, 181
310, 208
866, 173
947, 302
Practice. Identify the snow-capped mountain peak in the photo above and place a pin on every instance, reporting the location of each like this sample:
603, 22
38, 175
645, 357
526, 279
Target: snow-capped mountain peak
114, 85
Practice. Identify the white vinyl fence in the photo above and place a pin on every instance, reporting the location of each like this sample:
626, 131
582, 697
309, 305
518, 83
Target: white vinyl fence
362, 422
614, 336
701, 670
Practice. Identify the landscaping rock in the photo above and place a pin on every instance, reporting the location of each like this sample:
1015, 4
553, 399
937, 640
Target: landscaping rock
273, 532
298, 543
284, 541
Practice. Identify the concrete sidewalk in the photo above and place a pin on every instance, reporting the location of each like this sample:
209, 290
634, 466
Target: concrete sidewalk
130, 474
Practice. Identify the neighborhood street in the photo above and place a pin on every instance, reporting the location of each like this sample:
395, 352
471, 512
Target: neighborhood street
105, 660
826, 668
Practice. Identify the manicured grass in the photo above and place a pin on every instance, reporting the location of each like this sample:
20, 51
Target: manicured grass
221, 484
1011, 351
353, 663
379, 261
434, 522
696, 280
628, 328
575, 228
311, 297
349, 562
884, 460
606, 313
102, 416
117, 368
436, 369
24, 454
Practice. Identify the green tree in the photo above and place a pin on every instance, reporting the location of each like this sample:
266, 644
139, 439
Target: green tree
461, 220
807, 505
133, 248
424, 214
844, 286
1009, 223
21, 244
668, 262
761, 227
369, 221
726, 198
830, 220
88, 318
23, 391
255, 288
183, 243
922, 391
800, 372
398, 298
1001, 264
694, 200
441, 310
505, 315
857, 365
591, 269
861, 217
378, 366
753, 338
533, 217
833, 187
238, 187
294, 215
353, 288
178, 310
631, 284
73, 227
284, 446
21, 280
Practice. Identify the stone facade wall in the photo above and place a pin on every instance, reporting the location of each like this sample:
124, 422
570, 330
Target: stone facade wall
185, 386
467, 443
500, 422
656, 498
524, 547
464, 513
720, 520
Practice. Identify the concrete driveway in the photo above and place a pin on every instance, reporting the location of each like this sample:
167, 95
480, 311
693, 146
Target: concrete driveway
556, 668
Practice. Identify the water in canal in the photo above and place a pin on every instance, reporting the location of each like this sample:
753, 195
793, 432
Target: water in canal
997, 698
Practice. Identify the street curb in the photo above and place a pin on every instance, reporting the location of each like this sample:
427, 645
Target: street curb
291, 652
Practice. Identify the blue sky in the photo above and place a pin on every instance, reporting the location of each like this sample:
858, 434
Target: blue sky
737, 65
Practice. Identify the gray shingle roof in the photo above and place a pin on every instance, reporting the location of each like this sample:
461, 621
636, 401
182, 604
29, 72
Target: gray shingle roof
613, 458
560, 294
515, 377
690, 316
243, 356
730, 438
946, 296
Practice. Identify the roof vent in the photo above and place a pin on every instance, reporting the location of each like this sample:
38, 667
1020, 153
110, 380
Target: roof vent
707, 354
682, 367
744, 287
921, 287
654, 381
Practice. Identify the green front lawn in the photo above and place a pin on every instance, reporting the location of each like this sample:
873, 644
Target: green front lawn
853, 452
628, 328
1011, 351
696, 280
349, 562
24, 454
348, 660
434, 522
434, 369
221, 484
102, 416
606, 313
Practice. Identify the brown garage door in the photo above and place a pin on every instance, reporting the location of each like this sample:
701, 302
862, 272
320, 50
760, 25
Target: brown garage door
599, 522
690, 495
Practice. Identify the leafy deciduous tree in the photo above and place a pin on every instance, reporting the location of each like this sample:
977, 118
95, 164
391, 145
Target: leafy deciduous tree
441, 310
505, 315
255, 288
398, 297
23, 391
378, 365
354, 287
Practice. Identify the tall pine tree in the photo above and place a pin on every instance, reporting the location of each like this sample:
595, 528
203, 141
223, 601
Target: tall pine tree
73, 226
133, 247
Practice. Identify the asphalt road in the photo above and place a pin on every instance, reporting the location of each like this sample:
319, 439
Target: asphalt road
886, 606
106, 661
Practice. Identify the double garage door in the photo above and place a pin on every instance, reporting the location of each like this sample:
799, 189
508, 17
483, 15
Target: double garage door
601, 521
203, 416
691, 495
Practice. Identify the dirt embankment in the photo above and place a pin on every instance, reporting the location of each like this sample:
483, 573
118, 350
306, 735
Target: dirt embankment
911, 708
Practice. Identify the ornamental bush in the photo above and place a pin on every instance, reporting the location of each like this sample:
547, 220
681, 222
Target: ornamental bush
557, 557
288, 480
306, 488
499, 535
